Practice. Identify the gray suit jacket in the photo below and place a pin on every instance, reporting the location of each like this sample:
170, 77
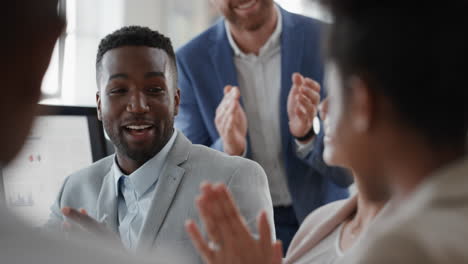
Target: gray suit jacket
163, 232
428, 228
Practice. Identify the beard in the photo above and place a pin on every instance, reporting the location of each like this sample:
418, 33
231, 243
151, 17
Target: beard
252, 22
140, 154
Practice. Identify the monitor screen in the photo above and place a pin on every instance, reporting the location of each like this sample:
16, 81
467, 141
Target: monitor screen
62, 141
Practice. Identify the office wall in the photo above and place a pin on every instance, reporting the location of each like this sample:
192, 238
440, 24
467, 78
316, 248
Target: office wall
90, 20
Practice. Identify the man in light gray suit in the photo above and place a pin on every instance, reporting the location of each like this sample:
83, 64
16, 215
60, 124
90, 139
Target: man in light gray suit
146, 191
30, 29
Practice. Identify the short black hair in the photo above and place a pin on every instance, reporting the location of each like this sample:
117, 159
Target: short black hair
136, 36
414, 55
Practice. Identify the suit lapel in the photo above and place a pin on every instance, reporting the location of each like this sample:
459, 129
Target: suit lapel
107, 203
165, 193
292, 45
222, 58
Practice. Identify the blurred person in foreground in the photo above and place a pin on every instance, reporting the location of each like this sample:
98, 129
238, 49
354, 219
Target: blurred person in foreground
326, 235
401, 98
30, 29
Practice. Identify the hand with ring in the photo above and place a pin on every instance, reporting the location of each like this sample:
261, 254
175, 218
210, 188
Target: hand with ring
230, 239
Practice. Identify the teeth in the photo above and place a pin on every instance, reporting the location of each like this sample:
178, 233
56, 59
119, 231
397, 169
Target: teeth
247, 5
139, 127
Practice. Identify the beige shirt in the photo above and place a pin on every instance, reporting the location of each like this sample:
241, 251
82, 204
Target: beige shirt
328, 251
430, 227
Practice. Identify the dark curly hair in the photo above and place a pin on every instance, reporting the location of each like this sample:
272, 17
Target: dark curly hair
136, 36
414, 55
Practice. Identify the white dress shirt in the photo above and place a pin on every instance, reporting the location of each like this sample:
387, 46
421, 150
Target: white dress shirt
259, 79
136, 192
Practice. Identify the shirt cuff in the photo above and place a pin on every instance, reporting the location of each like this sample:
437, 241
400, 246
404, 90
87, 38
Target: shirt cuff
302, 150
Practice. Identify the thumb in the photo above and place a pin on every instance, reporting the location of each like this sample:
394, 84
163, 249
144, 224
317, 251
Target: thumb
227, 89
297, 79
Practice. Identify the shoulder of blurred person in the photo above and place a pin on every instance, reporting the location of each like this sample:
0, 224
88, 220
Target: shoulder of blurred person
20, 243
318, 225
430, 227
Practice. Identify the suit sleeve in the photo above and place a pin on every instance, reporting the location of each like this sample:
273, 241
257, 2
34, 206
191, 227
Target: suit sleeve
189, 120
249, 187
340, 176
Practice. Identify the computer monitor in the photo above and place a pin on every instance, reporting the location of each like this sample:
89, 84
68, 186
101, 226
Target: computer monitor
63, 140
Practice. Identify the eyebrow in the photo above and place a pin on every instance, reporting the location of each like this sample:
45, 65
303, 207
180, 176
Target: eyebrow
118, 75
154, 74
147, 75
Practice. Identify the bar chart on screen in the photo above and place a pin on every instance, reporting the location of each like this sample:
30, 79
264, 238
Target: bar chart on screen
57, 147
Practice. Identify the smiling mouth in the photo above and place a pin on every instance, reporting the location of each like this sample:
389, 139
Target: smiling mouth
139, 132
138, 127
246, 5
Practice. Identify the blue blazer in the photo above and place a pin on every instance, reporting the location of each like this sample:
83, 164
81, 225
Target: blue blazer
205, 65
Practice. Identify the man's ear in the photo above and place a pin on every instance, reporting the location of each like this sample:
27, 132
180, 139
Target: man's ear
362, 104
176, 101
98, 103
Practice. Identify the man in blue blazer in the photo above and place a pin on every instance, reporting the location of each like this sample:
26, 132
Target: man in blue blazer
266, 109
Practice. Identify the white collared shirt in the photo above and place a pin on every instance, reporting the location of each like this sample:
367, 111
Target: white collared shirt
136, 193
259, 79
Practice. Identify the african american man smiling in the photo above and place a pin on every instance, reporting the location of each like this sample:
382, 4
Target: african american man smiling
145, 192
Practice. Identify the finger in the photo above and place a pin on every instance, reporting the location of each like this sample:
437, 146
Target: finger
222, 115
200, 244
233, 241
208, 218
228, 97
235, 93
205, 187
306, 110
265, 234
301, 113
297, 83
277, 252
297, 79
306, 103
83, 211
223, 126
207, 190
231, 212
227, 89
227, 107
312, 84
228, 126
82, 220
312, 95
222, 106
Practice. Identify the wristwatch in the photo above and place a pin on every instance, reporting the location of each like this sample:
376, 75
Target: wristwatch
314, 130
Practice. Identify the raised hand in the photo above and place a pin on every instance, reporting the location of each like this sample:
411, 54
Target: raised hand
231, 122
303, 101
230, 239
80, 221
